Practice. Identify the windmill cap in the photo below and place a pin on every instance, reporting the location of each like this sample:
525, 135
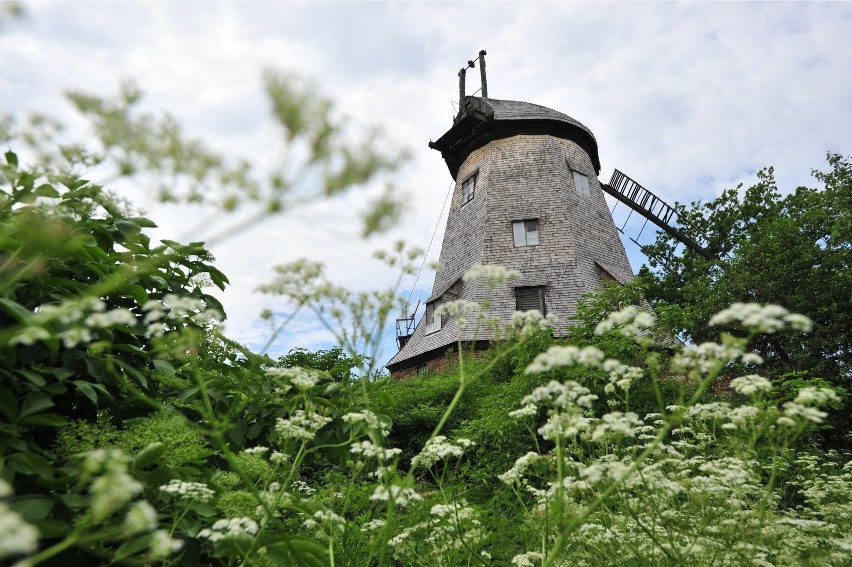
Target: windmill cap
482, 120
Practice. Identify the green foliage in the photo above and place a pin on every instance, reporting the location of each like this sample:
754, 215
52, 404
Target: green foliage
794, 250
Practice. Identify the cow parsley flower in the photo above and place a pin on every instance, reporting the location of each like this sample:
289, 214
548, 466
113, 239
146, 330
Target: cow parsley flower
761, 318
189, 491
558, 355
369, 419
751, 384
16, 535
438, 449
301, 425
233, 528
630, 321
400, 495
492, 274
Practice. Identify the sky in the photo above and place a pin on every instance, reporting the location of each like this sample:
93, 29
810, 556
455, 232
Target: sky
689, 99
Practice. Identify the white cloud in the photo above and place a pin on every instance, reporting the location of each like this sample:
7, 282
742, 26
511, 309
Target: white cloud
689, 99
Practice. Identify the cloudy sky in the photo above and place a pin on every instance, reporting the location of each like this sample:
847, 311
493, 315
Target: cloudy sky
687, 98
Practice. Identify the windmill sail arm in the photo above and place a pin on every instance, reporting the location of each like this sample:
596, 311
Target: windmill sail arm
651, 207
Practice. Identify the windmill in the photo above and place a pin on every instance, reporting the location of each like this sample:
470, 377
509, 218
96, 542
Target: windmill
526, 197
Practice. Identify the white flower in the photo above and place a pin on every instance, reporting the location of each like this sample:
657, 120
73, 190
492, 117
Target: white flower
114, 487
617, 423
560, 395
529, 410
761, 318
16, 535
493, 274
301, 425
189, 491
795, 409
438, 449
369, 450
111, 318
816, 396
516, 473
751, 384
255, 450
526, 559
162, 544
369, 419
141, 517
630, 321
301, 378
558, 355
29, 336
400, 495
233, 528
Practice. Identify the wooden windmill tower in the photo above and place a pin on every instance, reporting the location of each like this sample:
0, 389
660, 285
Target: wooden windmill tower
527, 197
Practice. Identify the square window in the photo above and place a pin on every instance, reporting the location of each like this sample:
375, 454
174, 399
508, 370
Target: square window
468, 189
581, 183
530, 298
525, 232
433, 322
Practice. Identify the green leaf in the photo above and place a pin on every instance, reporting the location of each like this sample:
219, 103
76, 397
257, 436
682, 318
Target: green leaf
12, 158
34, 403
8, 403
45, 420
164, 366
126, 228
46, 190
136, 292
87, 390
32, 507
15, 309
299, 551
30, 463
132, 547
143, 222
149, 455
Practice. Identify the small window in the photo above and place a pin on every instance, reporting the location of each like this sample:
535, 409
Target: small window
433, 323
581, 183
423, 370
530, 298
468, 189
525, 232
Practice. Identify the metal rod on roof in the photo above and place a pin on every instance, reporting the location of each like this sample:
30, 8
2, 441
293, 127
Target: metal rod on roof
482, 73
462, 73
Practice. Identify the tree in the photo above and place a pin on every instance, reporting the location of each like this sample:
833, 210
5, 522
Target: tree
793, 250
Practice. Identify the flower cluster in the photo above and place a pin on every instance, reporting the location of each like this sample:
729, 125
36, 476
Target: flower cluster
234, 528
459, 311
761, 318
804, 407
558, 355
751, 384
301, 425
16, 535
369, 419
189, 491
401, 495
522, 464
560, 395
371, 451
113, 487
438, 449
175, 309
631, 321
327, 521
301, 378
492, 274
526, 322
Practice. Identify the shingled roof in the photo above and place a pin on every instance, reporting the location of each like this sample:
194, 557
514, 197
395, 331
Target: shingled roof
482, 120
